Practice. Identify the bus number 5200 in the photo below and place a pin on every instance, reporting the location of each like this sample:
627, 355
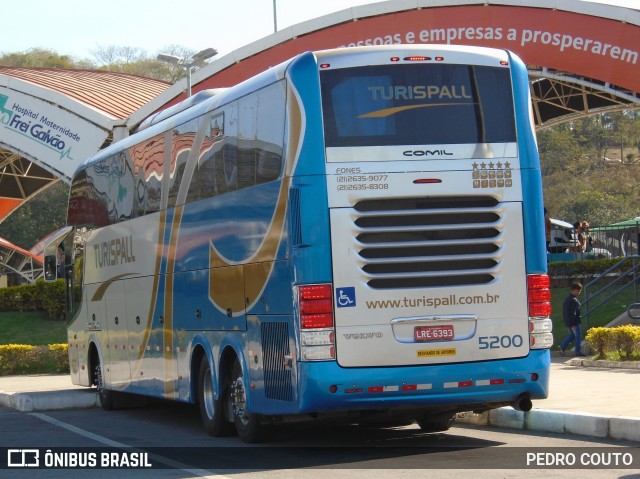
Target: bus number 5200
495, 342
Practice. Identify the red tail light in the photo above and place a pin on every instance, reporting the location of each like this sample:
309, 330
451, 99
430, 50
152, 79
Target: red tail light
539, 295
316, 306
315, 291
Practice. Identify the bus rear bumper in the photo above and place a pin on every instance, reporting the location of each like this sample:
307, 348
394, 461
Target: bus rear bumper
325, 386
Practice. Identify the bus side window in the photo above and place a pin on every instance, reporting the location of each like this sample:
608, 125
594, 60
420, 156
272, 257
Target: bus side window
270, 132
122, 167
153, 194
153, 168
183, 140
176, 177
269, 166
206, 176
246, 167
226, 164
218, 167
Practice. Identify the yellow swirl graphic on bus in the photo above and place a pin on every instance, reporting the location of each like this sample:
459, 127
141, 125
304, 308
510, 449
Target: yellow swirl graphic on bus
227, 279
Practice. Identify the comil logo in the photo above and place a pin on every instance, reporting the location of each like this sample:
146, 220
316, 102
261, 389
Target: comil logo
5, 114
23, 457
427, 153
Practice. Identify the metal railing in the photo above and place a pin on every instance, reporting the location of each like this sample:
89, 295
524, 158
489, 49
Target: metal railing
621, 240
607, 242
613, 282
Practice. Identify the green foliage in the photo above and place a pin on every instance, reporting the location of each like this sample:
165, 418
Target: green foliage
558, 149
124, 59
24, 359
37, 58
625, 340
52, 297
19, 298
35, 219
590, 168
31, 327
599, 339
565, 272
35, 297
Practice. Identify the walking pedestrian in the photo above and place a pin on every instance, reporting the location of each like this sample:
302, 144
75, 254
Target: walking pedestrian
571, 316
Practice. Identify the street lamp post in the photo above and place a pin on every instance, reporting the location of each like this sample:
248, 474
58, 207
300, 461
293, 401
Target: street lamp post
275, 17
188, 63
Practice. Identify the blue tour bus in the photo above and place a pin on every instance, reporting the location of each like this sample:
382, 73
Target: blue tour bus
356, 233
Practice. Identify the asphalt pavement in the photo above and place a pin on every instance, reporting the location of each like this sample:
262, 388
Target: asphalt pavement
590, 398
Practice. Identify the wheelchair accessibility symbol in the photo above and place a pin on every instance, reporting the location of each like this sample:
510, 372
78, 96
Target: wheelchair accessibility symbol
346, 297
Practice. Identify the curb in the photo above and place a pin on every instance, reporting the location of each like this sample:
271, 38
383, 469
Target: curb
50, 400
540, 420
603, 363
583, 424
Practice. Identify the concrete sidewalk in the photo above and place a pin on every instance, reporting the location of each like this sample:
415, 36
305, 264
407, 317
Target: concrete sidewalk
44, 393
585, 400
590, 401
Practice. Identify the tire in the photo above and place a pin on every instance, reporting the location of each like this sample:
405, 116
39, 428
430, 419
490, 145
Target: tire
106, 396
211, 409
247, 424
436, 423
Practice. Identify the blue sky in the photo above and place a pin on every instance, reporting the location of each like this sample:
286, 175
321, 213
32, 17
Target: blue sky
78, 27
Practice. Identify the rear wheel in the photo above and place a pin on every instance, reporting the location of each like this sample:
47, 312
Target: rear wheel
247, 424
106, 396
435, 423
211, 409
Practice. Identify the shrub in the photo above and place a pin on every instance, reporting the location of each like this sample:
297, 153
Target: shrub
23, 359
623, 339
563, 273
52, 298
599, 339
626, 339
59, 354
41, 296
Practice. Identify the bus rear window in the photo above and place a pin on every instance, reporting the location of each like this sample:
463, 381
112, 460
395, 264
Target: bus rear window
417, 105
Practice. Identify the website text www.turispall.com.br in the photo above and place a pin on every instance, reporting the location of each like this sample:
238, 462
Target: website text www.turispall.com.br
426, 302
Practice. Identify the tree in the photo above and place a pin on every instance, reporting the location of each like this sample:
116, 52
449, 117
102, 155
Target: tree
136, 61
175, 72
35, 219
37, 58
558, 149
113, 55
588, 187
123, 59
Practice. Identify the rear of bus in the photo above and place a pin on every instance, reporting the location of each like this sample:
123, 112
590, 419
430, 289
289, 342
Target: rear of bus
438, 298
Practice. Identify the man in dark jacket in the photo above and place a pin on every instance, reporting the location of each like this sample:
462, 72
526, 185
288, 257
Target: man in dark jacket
571, 316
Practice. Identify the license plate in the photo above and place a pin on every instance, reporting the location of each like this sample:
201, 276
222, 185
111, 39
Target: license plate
433, 333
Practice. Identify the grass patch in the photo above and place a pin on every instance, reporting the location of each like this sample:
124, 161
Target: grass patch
615, 356
31, 327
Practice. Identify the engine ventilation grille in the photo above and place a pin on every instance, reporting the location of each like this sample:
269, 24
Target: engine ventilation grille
275, 348
428, 242
294, 212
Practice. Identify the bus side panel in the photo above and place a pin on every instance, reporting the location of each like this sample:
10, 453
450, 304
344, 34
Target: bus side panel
118, 374
304, 129
308, 215
311, 244
533, 209
76, 339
